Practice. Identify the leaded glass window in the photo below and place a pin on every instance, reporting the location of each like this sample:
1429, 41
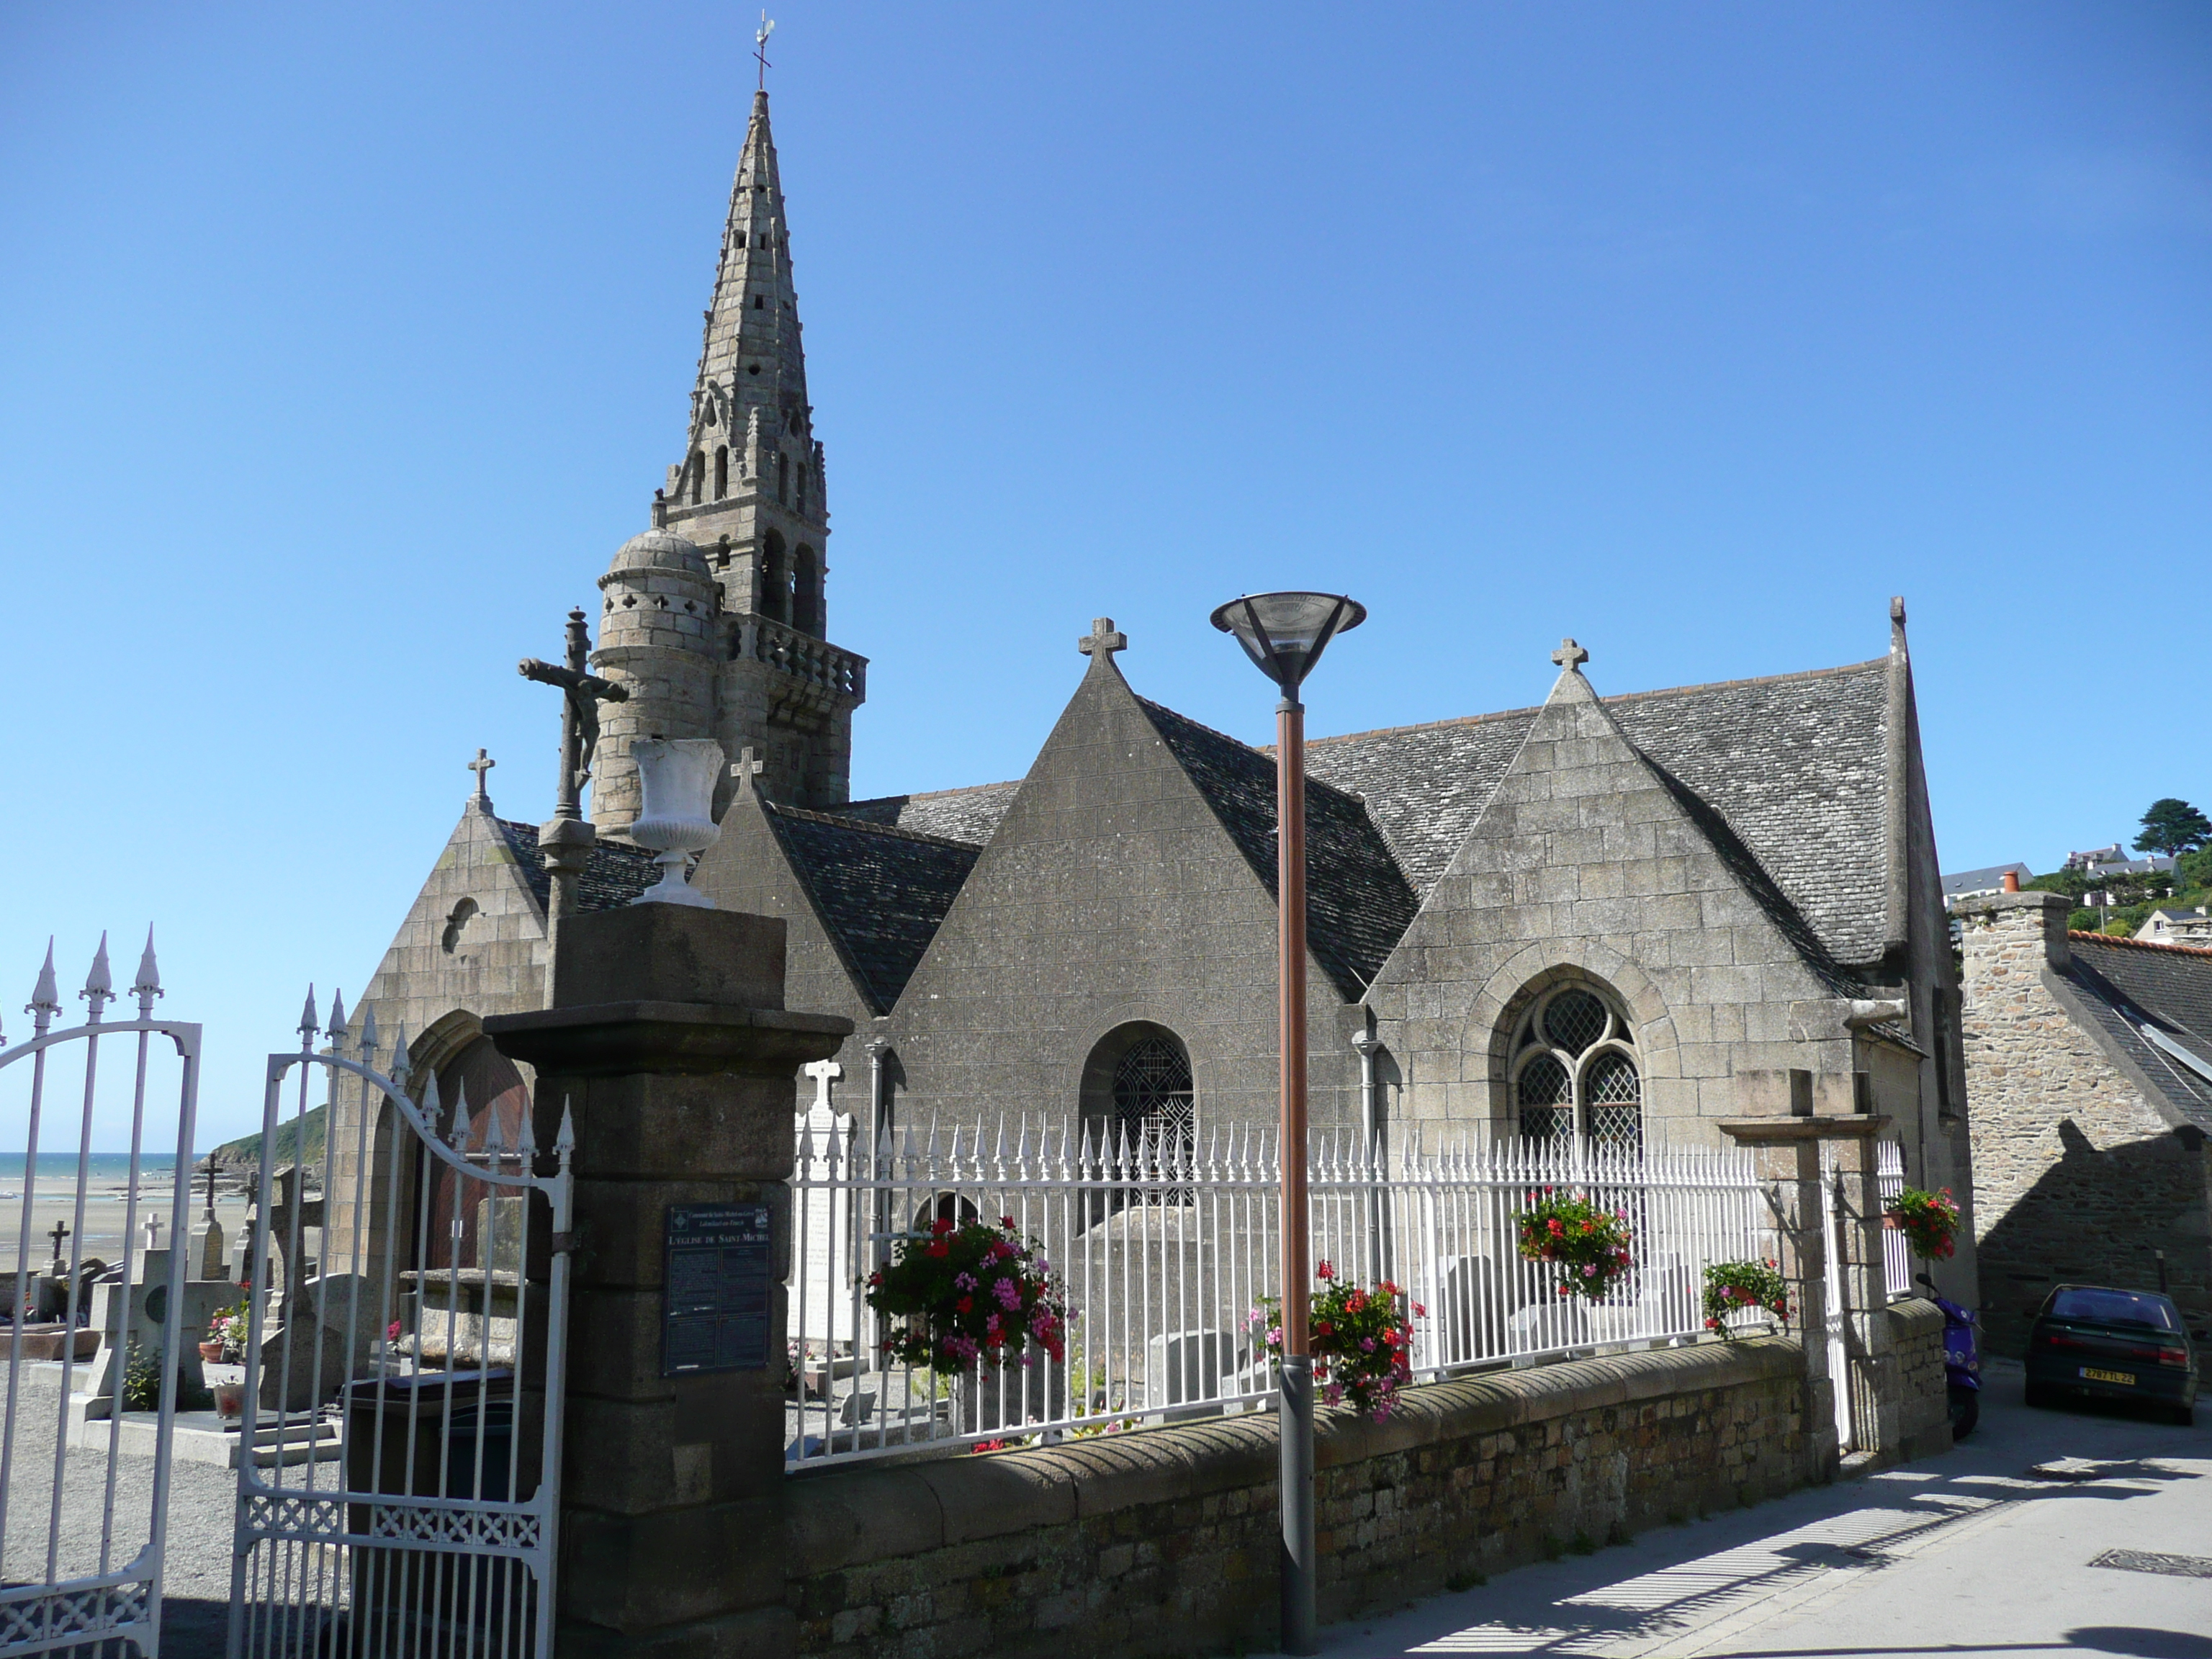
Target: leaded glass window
1574, 1069
1155, 1109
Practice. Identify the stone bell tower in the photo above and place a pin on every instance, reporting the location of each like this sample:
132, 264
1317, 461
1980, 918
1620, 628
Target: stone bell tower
748, 494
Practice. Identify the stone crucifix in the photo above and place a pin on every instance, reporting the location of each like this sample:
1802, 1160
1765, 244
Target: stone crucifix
1570, 656
565, 842
481, 765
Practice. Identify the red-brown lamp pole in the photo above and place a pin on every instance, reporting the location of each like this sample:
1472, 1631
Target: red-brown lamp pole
1284, 634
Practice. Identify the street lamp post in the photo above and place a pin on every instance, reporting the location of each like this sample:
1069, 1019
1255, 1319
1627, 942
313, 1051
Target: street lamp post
1285, 635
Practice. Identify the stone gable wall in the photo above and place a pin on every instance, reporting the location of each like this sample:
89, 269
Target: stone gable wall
1110, 894
1584, 861
1165, 1542
2077, 1176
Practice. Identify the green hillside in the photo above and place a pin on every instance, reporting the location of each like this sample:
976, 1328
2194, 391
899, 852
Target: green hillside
246, 1149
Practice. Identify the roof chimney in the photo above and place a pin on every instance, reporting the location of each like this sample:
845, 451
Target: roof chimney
2012, 881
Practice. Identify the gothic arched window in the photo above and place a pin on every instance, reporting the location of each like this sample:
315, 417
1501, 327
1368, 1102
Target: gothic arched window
1575, 1068
698, 475
774, 579
721, 472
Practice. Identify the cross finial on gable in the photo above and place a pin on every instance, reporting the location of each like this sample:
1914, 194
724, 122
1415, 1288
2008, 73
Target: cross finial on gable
1570, 656
1101, 641
481, 764
745, 769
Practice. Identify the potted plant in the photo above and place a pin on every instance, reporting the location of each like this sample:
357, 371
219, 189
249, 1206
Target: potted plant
228, 1332
1361, 1338
1590, 1244
1733, 1286
1929, 1221
967, 1294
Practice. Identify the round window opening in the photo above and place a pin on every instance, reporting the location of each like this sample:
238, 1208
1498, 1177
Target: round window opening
1574, 1069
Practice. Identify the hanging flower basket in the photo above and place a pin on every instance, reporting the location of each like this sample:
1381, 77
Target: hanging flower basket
1930, 1222
1590, 1245
969, 1292
1733, 1286
1361, 1338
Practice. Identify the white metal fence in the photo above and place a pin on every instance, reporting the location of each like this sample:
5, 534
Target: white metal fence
1896, 1254
1163, 1248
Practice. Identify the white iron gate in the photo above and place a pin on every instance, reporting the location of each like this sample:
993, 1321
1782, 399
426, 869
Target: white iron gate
73, 1581
404, 1365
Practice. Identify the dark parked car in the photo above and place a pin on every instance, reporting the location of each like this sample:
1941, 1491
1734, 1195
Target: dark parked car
2113, 1345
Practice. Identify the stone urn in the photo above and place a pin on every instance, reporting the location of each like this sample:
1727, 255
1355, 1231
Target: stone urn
677, 819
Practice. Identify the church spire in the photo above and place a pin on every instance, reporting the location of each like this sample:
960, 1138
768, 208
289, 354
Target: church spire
749, 488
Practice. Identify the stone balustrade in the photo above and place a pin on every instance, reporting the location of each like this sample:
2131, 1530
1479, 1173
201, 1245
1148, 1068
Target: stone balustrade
838, 675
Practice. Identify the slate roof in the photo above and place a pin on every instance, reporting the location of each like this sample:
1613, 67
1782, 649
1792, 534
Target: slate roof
966, 815
1358, 902
616, 872
2122, 985
880, 891
1795, 765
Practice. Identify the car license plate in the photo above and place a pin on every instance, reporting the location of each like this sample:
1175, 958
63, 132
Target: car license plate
2091, 1376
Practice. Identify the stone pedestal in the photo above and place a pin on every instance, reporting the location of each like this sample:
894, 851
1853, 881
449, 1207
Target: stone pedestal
668, 1040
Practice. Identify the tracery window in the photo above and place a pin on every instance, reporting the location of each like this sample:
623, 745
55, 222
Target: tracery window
1152, 1094
1574, 1069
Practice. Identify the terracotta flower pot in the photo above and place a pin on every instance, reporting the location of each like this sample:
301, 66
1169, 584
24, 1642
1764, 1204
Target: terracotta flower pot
211, 1351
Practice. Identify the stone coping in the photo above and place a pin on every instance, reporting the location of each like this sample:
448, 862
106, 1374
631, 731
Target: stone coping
1994, 902
1914, 1314
847, 1517
1858, 1124
608, 1038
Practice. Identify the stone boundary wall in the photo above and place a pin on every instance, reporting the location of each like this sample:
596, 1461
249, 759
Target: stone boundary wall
1916, 1339
1166, 1541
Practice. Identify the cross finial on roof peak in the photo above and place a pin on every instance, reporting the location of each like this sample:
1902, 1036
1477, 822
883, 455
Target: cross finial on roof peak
746, 770
1102, 641
482, 765
1570, 656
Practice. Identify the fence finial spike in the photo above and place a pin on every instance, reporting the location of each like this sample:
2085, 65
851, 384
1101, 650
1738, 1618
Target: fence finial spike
427, 1103
46, 996
565, 1142
527, 1144
147, 985
458, 1135
99, 984
368, 1033
310, 1022
495, 1141
338, 1030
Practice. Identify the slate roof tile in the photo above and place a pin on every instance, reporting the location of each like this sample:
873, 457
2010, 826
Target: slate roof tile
616, 872
1358, 902
1795, 765
2125, 985
966, 815
882, 891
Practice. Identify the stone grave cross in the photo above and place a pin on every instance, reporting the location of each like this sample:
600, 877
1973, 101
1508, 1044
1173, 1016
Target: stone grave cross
59, 1235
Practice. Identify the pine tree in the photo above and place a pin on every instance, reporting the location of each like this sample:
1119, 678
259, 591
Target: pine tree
2173, 827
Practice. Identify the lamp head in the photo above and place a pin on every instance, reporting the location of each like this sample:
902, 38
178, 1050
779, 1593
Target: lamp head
1284, 634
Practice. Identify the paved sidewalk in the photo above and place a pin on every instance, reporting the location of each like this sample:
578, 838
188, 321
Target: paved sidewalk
1993, 1549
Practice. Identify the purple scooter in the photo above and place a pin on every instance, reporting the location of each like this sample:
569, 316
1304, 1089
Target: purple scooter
1962, 1362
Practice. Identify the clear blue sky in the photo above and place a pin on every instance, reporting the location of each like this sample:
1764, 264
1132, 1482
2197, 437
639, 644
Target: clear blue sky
343, 345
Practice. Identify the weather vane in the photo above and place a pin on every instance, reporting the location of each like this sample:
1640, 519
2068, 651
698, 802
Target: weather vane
760, 46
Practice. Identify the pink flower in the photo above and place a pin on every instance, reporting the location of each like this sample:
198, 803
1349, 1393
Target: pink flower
1367, 1345
964, 1281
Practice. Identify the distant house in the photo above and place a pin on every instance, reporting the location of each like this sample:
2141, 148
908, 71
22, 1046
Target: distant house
2113, 861
1973, 884
2173, 925
2089, 1094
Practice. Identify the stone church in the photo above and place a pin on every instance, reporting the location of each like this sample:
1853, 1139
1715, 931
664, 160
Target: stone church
1617, 917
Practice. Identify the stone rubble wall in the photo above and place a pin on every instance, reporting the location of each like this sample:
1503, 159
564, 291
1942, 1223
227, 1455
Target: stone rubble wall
1165, 1542
2077, 1176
